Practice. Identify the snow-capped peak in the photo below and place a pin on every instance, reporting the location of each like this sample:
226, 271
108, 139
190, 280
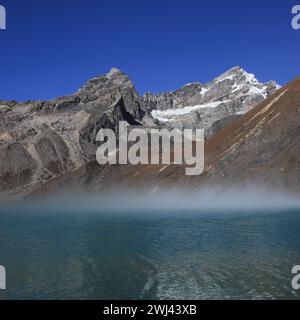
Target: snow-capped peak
229, 74
234, 92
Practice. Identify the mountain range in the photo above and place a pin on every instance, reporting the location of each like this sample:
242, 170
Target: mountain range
203, 106
251, 130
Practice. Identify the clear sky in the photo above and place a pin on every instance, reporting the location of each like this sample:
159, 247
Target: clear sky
51, 47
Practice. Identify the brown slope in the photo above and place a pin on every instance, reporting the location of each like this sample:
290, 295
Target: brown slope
262, 146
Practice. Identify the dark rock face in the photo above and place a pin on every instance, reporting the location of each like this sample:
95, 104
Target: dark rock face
109, 120
17, 166
218, 125
52, 152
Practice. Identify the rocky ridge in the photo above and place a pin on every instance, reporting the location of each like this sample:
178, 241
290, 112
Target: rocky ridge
42, 142
194, 105
260, 150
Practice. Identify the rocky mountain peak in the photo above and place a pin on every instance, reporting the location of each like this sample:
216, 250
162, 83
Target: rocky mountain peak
231, 73
229, 95
114, 72
239, 82
113, 80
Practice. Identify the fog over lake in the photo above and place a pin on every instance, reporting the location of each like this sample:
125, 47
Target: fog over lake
216, 244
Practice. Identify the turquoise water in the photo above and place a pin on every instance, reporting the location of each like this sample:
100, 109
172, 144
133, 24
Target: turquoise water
149, 255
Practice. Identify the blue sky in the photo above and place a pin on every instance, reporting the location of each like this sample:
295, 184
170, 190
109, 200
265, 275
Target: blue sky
51, 47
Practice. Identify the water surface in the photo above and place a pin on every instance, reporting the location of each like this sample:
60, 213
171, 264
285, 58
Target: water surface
52, 254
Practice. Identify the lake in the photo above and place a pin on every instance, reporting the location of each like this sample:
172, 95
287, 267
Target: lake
53, 254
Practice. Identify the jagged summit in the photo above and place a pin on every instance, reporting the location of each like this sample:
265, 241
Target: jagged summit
231, 94
239, 75
114, 79
43, 140
114, 71
230, 73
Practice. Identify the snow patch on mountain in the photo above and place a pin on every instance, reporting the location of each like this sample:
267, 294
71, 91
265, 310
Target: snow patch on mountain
166, 115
